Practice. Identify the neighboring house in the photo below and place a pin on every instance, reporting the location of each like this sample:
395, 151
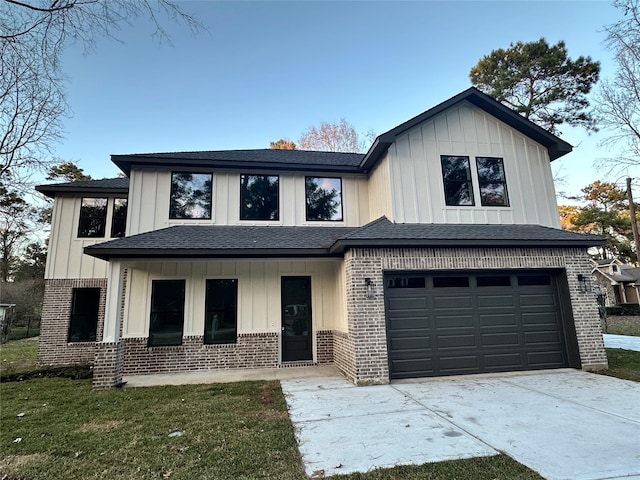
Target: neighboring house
621, 282
438, 252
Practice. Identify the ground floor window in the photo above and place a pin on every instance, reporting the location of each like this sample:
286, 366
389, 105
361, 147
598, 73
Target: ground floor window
83, 323
221, 311
167, 312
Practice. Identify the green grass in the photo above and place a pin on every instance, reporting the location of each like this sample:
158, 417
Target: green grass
18, 356
623, 364
231, 431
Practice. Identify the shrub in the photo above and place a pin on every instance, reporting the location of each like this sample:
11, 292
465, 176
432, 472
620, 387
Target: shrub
624, 309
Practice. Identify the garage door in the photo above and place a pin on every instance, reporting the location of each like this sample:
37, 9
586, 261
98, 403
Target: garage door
452, 324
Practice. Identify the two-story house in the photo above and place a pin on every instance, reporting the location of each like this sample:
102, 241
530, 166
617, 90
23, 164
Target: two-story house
438, 252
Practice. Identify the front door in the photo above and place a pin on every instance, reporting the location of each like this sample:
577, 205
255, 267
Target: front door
296, 319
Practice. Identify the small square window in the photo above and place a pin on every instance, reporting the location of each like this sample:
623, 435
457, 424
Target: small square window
259, 198
167, 312
493, 185
323, 199
221, 311
83, 321
93, 217
119, 218
191, 196
456, 174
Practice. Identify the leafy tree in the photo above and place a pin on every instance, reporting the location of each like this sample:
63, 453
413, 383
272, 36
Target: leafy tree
335, 137
567, 214
68, 171
282, 144
32, 263
33, 35
15, 218
618, 101
540, 82
606, 214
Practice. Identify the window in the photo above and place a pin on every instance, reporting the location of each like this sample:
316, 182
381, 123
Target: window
533, 280
190, 195
258, 197
93, 217
493, 186
119, 218
221, 311
324, 199
494, 281
456, 174
167, 312
406, 282
85, 303
450, 282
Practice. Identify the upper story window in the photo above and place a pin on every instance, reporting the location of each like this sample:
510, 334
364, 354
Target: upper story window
190, 195
323, 199
93, 217
456, 173
259, 197
119, 218
493, 185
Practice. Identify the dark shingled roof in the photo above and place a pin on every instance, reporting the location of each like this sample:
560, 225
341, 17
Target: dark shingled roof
243, 241
267, 158
106, 185
215, 241
382, 232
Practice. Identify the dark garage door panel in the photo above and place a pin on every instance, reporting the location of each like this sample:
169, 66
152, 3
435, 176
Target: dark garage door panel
461, 330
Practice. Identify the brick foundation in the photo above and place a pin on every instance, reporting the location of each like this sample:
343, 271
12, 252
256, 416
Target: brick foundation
53, 347
259, 350
324, 347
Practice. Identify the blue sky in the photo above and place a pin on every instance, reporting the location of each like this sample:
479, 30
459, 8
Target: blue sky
267, 70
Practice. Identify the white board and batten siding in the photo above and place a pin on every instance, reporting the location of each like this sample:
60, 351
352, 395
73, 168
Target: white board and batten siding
65, 258
259, 300
150, 191
465, 130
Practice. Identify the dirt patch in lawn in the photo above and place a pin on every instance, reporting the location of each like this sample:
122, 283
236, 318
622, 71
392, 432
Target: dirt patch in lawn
12, 464
101, 427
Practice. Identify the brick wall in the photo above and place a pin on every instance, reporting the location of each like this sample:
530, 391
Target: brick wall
324, 347
259, 350
362, 352
53, 348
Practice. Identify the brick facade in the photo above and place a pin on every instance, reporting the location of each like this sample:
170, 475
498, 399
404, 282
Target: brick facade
54, 348
255, 350
361, 354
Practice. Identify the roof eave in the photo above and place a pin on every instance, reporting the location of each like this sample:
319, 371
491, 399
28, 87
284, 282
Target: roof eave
51, 190
129, 253
127, 162
341, 245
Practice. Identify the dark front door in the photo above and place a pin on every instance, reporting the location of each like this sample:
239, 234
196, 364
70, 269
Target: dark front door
296, 319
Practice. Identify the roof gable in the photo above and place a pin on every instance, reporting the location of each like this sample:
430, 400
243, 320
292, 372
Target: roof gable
554, 145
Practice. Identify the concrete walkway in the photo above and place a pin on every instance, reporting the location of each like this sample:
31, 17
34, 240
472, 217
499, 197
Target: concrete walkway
565, 424
625, 342
230, 375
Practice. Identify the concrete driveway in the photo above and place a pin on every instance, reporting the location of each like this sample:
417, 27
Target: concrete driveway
564, 424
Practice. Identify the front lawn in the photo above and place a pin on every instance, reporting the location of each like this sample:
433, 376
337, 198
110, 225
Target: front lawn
18, 355
623, 364
55, 428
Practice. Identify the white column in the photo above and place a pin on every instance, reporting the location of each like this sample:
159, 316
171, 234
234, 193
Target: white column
111, 329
